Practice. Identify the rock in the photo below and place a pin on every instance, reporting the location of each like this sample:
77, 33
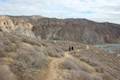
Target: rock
21, 27
78, 30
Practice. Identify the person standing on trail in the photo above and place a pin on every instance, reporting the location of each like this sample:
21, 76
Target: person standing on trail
71, 48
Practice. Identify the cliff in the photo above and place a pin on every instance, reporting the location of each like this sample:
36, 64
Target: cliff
77, 30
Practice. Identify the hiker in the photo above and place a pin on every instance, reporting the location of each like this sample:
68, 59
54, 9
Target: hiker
71, 48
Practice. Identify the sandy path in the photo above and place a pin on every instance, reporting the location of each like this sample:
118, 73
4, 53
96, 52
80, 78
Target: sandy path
54, 67
53, 72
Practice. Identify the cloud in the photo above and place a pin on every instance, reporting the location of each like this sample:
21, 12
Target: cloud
98, 10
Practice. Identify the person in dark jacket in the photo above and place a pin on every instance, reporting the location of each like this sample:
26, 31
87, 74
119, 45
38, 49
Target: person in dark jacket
71, 48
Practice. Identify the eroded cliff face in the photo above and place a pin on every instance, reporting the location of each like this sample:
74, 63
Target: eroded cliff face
18, 27
78, 30
6, 24
24, 28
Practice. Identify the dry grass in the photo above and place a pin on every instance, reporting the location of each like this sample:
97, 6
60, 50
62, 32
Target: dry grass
29, 59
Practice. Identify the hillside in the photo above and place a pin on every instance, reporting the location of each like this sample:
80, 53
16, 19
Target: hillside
26, 58
77, 30
39, 48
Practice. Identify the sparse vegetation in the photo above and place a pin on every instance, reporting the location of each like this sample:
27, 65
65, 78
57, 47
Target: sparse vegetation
70, 64
29, 58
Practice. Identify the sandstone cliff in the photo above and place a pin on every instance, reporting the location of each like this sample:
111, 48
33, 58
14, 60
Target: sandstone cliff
78, 30
19, 27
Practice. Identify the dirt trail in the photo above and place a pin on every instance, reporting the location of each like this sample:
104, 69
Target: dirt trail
54, 67
53, 72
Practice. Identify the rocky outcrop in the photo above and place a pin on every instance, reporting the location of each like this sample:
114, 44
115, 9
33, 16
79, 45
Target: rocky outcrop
24, 28
78, 30
6, 24
18, 27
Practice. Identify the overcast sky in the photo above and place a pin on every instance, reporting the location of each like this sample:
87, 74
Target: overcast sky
98, 10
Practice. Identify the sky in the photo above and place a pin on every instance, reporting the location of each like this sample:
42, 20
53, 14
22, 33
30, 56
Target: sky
97, 10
